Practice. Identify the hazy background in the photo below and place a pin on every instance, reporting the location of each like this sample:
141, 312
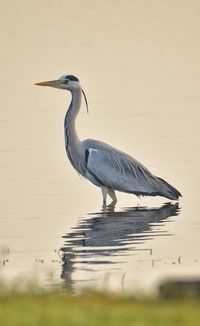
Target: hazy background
138, 62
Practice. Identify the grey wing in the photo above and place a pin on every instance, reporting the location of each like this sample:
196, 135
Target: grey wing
117, 170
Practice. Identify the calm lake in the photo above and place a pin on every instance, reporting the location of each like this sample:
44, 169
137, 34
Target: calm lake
138, 63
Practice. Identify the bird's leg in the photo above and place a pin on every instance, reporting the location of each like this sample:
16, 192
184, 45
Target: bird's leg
111, 193
104, 193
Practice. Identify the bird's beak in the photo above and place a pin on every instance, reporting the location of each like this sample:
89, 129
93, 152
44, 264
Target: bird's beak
52, 83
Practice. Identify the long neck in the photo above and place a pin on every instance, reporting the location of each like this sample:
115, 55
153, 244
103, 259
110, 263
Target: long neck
72, 141
70, 117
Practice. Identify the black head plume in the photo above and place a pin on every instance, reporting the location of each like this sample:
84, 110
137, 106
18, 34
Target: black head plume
86, 102
72, 78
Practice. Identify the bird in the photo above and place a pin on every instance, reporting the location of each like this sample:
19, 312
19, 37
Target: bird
104, 165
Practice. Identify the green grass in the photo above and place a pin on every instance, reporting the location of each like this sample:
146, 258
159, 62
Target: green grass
95, 309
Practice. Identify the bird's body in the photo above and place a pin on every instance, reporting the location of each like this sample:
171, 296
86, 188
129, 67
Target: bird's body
105, 166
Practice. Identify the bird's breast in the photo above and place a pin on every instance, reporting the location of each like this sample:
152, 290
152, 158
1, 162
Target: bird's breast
75, 156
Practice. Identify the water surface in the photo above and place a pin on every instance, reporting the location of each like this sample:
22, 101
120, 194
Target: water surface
138, 63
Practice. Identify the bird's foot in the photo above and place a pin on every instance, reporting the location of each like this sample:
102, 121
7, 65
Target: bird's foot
110, 206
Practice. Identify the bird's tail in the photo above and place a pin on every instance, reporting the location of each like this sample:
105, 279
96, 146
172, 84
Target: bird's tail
168, 191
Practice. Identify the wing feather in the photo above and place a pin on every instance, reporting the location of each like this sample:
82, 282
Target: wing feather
117, 170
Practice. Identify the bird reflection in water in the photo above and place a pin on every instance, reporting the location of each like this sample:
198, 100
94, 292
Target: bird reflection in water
100, 237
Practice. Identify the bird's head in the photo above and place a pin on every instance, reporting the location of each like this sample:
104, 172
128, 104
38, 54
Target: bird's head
66, 82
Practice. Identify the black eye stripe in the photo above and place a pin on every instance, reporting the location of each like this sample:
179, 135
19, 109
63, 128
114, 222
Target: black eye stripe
71, 77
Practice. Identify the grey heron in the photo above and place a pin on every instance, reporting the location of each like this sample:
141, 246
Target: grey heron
105, 166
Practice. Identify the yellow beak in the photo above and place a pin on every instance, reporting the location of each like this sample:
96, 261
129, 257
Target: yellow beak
52, 83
